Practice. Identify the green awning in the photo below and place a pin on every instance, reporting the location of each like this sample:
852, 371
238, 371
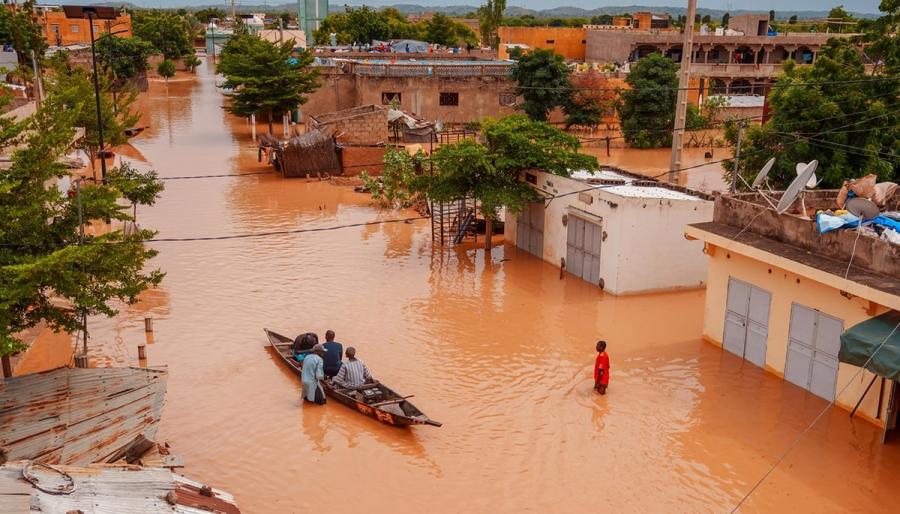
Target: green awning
860, 341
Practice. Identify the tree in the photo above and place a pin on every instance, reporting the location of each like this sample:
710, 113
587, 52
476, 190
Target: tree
264, 77
169, 33
879, 39
207, 14
166, 69
490, 16
72, 87
441, 30
603, 19
490, 171
139, 188
772, 15
706, 19
366, 25
792, 20
41, 259
542, 80
192, 61
647, 109
591, 98
836, 16
21, 28
850, 127
725, 18
286, 18
398, 184
125, 58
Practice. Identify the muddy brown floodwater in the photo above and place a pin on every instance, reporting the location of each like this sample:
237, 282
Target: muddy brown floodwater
498, 348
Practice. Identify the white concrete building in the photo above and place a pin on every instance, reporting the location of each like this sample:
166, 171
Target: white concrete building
622, 232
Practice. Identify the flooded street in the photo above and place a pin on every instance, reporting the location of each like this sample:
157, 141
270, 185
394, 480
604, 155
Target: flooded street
497, 347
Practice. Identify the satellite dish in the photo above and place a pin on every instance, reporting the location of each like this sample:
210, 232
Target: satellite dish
863, 208
796, 187
438, 126
812, 182
763, 173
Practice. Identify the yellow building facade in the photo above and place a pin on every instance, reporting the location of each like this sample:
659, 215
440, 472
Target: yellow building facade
784, 308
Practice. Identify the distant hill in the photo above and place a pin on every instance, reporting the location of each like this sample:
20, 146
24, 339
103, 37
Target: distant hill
459, 10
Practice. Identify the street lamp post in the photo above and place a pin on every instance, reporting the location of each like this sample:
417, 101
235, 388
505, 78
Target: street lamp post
92, 13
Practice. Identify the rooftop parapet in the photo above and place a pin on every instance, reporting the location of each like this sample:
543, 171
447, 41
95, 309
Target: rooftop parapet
750, 212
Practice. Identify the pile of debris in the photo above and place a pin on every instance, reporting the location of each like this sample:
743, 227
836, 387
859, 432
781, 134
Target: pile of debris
28, 486
872, 208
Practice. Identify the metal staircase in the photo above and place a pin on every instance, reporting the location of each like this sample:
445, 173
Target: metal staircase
452, 222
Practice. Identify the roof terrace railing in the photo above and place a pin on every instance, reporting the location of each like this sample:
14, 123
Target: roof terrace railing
432, 70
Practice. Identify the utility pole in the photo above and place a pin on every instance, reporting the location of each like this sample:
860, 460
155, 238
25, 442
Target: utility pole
233, 13
38, 87
90, 17
737, 157
684, 82
82, 362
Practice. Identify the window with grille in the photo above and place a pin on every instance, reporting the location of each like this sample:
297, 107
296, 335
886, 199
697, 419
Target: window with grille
507, 99
73, 28
551, 41
387, 98
449, 99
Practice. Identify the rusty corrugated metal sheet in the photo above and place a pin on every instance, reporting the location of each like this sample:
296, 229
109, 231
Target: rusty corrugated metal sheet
106, 489
79, 416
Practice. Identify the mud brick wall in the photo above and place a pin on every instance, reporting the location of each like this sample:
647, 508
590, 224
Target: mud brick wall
357, 159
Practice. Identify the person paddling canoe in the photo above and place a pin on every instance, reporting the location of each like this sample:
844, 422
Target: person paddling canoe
313, 371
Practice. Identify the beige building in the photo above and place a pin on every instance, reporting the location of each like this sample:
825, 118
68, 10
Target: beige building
612, 229
783, 297
452, 91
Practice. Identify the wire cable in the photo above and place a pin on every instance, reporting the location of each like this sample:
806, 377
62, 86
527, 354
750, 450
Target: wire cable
814, 421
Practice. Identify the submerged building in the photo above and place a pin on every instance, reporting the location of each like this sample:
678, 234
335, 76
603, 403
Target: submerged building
453, 91
805, 306
612, 228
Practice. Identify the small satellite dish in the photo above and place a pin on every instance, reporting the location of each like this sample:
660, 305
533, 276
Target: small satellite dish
438, 126
763, 173
796, 187
801, 166
863, 208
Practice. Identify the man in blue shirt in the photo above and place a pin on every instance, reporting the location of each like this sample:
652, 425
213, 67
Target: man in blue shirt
313, 371
333, 352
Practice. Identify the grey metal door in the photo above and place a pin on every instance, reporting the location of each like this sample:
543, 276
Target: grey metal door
747, 321
583, 241
530, 229
813, 346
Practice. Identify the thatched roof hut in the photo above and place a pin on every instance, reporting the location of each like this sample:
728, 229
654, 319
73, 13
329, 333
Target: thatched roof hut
312, 153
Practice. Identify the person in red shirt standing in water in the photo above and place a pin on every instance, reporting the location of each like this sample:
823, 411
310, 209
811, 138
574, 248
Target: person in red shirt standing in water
601, 368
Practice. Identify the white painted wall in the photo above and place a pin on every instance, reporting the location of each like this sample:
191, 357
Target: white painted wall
644, 247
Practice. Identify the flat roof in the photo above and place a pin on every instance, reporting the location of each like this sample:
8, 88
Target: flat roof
859, 281
631, 186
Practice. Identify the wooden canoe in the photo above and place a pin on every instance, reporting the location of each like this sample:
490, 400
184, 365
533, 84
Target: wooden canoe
391, 409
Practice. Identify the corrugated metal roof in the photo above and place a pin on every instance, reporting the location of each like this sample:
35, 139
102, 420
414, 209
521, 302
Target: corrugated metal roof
79, 416
105, 489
